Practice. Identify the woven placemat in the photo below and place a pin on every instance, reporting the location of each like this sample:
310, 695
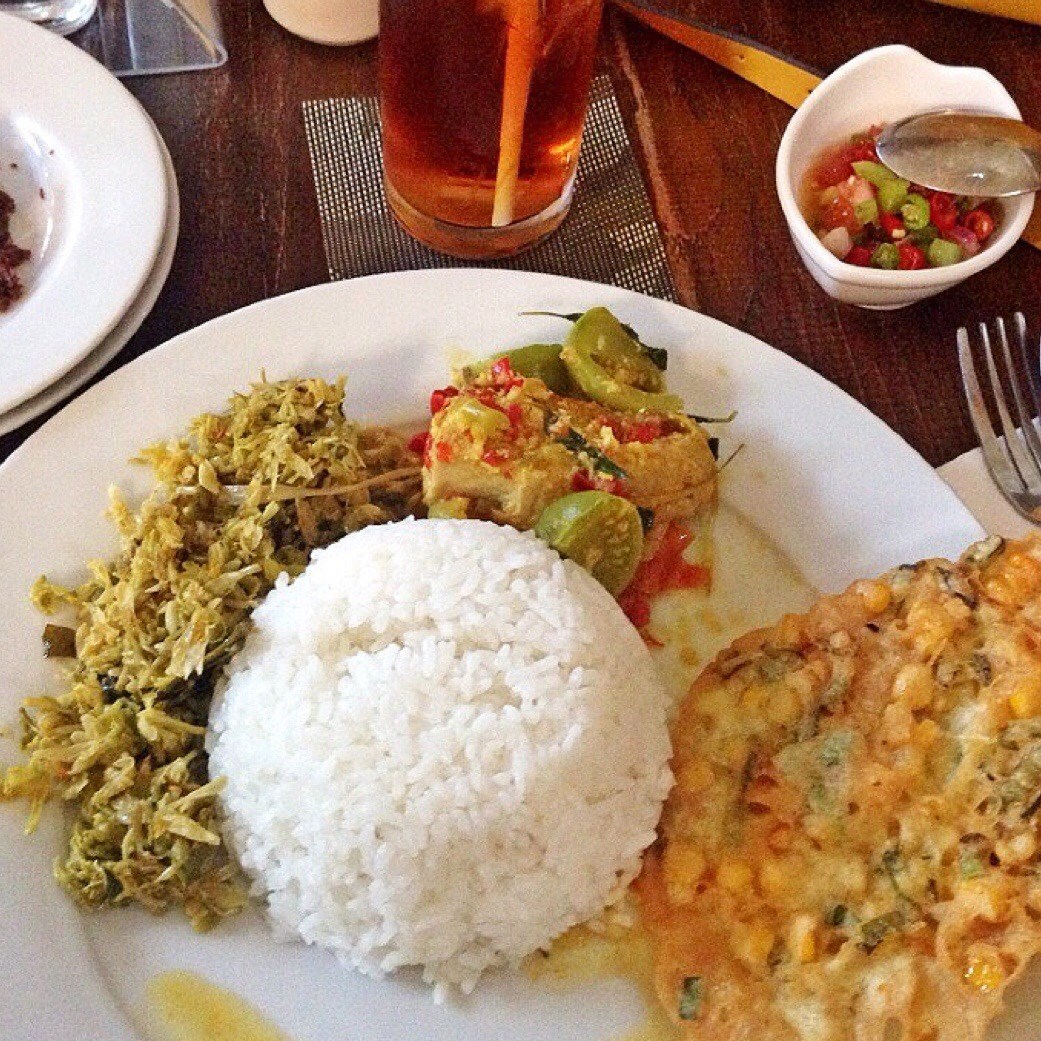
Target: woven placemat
610, 235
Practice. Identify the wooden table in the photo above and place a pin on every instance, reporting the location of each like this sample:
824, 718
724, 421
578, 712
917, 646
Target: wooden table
706, 141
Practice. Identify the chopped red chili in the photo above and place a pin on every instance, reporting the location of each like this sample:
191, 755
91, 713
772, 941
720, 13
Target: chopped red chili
440, 398
664, 571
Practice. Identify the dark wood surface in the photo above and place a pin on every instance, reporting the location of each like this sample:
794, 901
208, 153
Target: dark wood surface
706, 143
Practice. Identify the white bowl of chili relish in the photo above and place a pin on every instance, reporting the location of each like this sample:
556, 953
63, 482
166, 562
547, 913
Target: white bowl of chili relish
878, 87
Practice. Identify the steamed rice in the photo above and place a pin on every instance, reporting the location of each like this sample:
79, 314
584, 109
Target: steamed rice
443, 746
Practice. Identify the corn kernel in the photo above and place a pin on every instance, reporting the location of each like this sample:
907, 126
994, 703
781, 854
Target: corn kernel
753, 944
984, 972
1018, 849
682, 865
930, 627
802, 939
914, 686
755, 696
734, 875
775, 877
735, 751
783, 707
876, 596
987, 898
1013, 578
694, 777
926, 734
1025, 699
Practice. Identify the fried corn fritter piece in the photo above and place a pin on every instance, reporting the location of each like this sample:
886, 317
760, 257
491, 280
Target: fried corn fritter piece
503, 447
851, 850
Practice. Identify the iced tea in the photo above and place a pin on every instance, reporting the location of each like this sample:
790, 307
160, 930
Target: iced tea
482, 104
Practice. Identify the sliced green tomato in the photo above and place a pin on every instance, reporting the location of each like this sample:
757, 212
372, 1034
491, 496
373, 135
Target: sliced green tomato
867, 211
599, 531
893, 194
540, 361
942, 253
875, 173
476, 417
886, 255
608, 365
915, 212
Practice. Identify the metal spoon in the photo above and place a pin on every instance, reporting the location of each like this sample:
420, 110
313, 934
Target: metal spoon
965, 153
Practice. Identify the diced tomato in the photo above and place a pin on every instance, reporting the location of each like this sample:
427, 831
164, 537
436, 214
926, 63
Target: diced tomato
644, 430
582, 481
504, 376
440, 398
665, 570
515, 414
943, 211
912, 257
892, 225
495, 456
838, 214
832, 169
502, 370
863, 151
859, 255
980, 223
443, 451
418, 442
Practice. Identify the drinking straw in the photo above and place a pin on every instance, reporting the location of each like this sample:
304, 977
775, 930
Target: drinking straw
522, 46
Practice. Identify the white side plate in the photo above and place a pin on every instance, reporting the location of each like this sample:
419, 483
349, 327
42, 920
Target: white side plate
90, 191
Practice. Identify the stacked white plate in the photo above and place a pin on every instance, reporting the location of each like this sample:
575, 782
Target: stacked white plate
95, 201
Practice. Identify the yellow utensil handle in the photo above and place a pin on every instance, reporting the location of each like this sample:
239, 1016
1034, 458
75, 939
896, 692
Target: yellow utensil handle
778, 77
1024, 10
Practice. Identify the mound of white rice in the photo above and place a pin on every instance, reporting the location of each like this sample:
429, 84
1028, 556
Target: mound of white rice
443, 746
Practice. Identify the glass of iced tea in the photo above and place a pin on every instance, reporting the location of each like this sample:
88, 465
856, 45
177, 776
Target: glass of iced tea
483, 104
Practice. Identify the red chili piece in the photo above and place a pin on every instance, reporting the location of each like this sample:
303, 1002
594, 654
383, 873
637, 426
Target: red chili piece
665, 570
440, 398
418, 442
943, 211
891, 224
980, 223
859, 255
443, 451
912, 257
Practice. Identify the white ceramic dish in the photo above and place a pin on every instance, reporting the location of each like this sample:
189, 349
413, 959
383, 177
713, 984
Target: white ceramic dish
114, 342
837, 490
91, 188
880, 86
333, 22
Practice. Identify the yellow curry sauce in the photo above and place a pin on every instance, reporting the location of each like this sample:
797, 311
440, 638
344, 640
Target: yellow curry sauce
183, 1006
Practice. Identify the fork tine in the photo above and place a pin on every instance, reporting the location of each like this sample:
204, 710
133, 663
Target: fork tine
1030, 366
1005, 475
1023, 416
1014, 444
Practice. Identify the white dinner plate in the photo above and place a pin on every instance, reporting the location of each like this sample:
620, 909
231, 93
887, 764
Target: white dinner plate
114, 342
90, 190
833, 487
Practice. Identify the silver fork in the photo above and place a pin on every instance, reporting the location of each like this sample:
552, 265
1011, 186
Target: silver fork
1014, 460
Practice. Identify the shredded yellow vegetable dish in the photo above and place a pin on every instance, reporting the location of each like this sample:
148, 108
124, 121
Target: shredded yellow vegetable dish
239, 501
